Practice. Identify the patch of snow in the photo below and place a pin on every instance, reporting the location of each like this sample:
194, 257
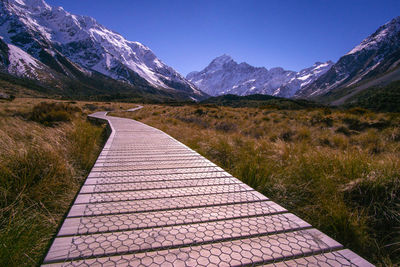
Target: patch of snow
21, 63
363, 75
305, 83
337, 82
305, 77
249, 81
20, 2
322, 66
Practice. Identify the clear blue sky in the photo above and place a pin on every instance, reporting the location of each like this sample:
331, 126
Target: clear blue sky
293, 34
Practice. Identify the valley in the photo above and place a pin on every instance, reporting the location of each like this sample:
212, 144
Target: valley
323, 141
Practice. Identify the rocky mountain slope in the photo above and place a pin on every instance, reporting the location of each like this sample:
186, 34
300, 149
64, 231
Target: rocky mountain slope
376, 55
303, 78
224, 76
77, 46
15, 61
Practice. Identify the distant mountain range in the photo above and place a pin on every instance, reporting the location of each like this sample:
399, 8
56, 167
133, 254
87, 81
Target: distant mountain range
375, 60
53, 46
74, 56
224, 76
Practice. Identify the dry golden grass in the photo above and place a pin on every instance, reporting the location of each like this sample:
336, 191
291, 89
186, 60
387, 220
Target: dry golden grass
339, 170
41, 170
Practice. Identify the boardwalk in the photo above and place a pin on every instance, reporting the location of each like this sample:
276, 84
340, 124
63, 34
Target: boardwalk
151, 201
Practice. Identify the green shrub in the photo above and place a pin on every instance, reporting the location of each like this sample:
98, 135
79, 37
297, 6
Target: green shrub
199, 111
354, 123
287, 135
358, 111
225, 127
344, 130
90, 107
319, 119
49, 114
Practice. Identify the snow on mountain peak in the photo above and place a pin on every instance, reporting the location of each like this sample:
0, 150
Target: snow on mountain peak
86, 42
221, 60
376, 55
33, 5
224, 76
383, 34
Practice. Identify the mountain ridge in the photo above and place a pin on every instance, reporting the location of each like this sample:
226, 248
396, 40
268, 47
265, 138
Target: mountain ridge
78, 45
225, 76
377, 54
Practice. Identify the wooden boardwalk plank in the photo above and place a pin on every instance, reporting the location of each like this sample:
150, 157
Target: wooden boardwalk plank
115, 179
118, 187
164, 203
117, 222
93, 245
158, 193
249, 251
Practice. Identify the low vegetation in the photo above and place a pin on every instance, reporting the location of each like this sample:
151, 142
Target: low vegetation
259, 101
337, 169
50, 114
385, 98
46, 151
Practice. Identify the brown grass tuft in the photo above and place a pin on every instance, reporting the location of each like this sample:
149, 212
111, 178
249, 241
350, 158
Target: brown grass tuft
41, 170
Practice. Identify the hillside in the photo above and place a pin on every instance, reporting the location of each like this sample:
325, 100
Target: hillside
375, 57
90, 89
385, 98
81, 57
258, 100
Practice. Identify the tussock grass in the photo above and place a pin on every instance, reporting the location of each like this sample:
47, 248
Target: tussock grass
49, 114
338, 170
41, 170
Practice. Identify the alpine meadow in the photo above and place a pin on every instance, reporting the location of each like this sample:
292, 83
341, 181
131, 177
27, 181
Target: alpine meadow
199, 133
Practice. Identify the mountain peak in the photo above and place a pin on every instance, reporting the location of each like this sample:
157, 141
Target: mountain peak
31, 4
48, 31
219, 63
381, 35
221, 60
375, 56
224, 76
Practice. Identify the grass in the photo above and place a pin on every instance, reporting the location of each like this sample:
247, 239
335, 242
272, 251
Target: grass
337, 169
44, 158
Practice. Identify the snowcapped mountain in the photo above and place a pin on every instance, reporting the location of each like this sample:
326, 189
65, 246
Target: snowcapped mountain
78, 45
379, 53
224, 76
303, 78
19, 63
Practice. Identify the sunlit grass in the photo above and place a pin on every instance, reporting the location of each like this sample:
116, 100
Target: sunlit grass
44, 158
